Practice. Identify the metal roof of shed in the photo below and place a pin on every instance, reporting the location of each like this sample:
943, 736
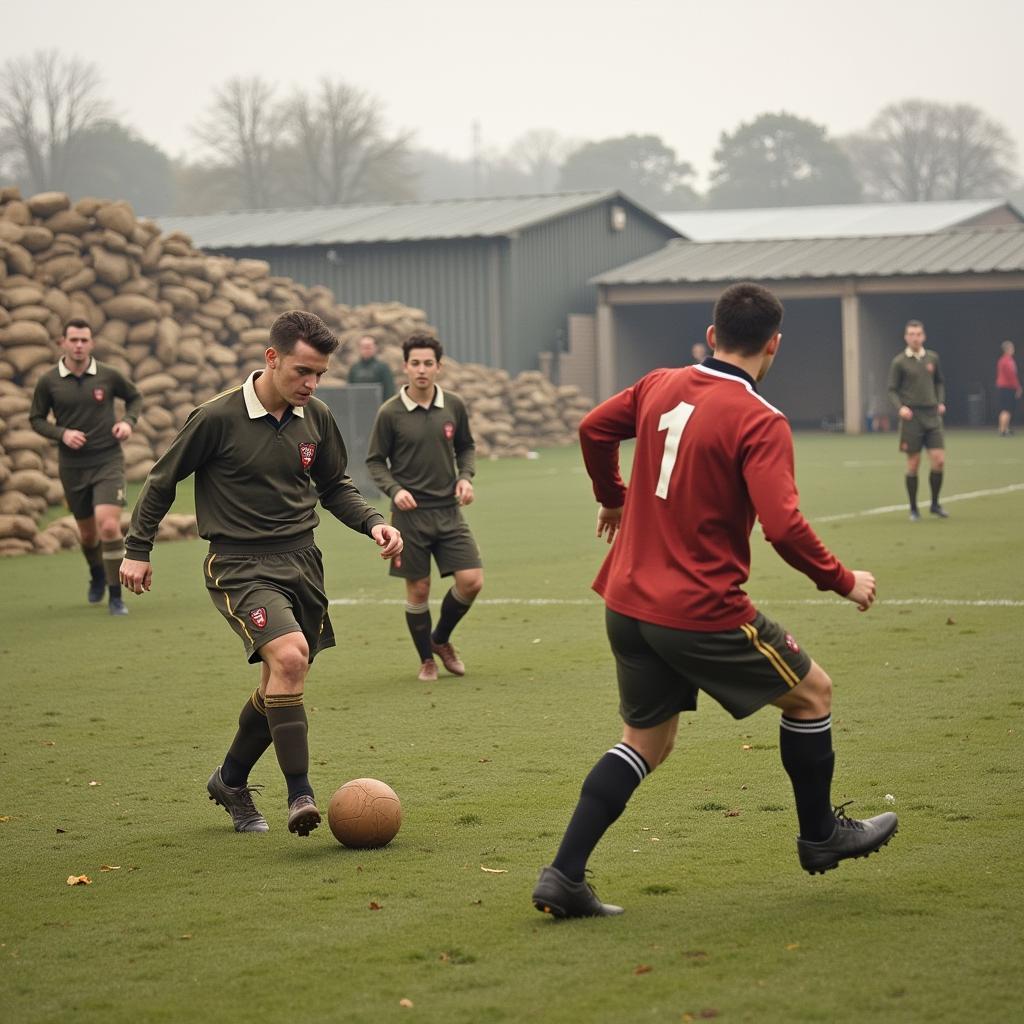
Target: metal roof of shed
966, 251
386, 222
848, 221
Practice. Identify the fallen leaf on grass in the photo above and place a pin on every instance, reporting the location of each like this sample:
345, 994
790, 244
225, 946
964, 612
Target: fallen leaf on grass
484, 760
747, 746
792, 945
951, 621
643, 969
47, 743
79, 880
110, 867
407, 1003
187, 935
732, 813
95, 783
374, 905
707, 1013
494, 871
61, 831
7, 817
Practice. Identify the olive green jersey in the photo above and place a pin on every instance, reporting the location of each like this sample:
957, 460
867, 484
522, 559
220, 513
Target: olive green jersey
83, 403
422, 450
257, 479
916, 381
373, 371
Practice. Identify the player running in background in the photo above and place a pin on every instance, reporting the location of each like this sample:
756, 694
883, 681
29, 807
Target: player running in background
422, 456
263, 454
918, 391
710, 456
80, 392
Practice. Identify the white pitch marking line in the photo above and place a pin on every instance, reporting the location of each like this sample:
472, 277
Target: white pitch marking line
836, 601
883, 509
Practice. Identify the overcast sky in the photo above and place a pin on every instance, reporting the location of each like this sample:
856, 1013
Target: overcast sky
589, 70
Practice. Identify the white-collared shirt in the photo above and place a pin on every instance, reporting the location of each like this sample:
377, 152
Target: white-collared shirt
65, 372
410, 404
253, 405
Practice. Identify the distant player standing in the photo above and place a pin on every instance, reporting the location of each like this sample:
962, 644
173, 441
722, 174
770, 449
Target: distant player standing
369, 369
710, 456
1007, 387
918, 391
81, 393
422, 456
263, 454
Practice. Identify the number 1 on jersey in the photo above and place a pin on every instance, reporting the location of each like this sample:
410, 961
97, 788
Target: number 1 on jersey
674, 421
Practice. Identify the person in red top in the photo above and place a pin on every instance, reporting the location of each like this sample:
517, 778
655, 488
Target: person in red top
711, 456
1007, 387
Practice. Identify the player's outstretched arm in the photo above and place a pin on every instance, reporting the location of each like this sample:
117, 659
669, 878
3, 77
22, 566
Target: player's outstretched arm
863, 593
608, 522
388, 539
136, 575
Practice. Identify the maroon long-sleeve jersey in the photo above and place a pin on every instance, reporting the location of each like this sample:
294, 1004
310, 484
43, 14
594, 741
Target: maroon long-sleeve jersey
711, 455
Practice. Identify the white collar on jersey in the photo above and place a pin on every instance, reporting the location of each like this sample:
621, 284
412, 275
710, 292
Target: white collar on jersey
911, 354
253, 405
65, 372
410, 405
722, 375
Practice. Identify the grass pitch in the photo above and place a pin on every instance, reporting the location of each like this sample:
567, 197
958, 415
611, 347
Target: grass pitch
113, 726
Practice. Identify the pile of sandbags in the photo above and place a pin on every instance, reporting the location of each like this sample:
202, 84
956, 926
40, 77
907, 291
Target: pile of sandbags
183, 325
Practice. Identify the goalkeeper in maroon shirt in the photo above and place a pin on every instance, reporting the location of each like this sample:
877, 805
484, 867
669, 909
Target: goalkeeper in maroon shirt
711, 456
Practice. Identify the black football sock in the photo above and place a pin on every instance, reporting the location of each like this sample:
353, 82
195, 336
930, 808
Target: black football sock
417, 618
251, 740
113, 552
935, 482
289, 730
806, 749
94, 556
453, 607
912, 491
606, 791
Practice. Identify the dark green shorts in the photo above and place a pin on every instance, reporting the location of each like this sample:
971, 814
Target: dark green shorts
441, 532
921, 432
88, 486
264, 596
660, 670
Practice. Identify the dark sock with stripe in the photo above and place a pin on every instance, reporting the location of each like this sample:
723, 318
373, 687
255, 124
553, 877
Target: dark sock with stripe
935, 483
453, 607
94, 556
605, 793
806, 749
912, 491
417, 618
249, 744
113, 553
289, 730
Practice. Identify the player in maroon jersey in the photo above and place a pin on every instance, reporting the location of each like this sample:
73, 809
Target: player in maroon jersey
711, 456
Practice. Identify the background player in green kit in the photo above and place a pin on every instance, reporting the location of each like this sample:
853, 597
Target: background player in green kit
80, 392
918, 391
422, 456
263, 454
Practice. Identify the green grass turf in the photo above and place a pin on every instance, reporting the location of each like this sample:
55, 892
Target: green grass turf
200, 923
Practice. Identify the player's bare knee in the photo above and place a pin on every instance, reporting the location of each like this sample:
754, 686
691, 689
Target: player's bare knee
469, 584
417, 591
289, 663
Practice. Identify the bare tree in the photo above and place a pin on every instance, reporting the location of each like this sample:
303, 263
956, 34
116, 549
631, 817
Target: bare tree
540, 154
918, 150
46, 102
341, 151
242, 128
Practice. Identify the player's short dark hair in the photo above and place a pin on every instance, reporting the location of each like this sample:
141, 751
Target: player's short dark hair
746, 317
297, 325
421, 339
76, 321
913, 323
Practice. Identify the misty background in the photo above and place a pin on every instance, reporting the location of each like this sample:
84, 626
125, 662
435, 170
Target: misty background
200, 108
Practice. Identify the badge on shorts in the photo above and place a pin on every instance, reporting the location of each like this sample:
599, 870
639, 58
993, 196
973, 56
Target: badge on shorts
258, 617
792, 644
307, 453
99, 394
449, 429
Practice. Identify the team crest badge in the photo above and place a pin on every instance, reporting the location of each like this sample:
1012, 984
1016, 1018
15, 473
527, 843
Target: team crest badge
449, 429
930, 367
99, 394
307, 453
792, 644
258, 617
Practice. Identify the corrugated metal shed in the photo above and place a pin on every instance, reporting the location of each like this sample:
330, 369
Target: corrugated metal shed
969, 251
839, 221
386, 222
